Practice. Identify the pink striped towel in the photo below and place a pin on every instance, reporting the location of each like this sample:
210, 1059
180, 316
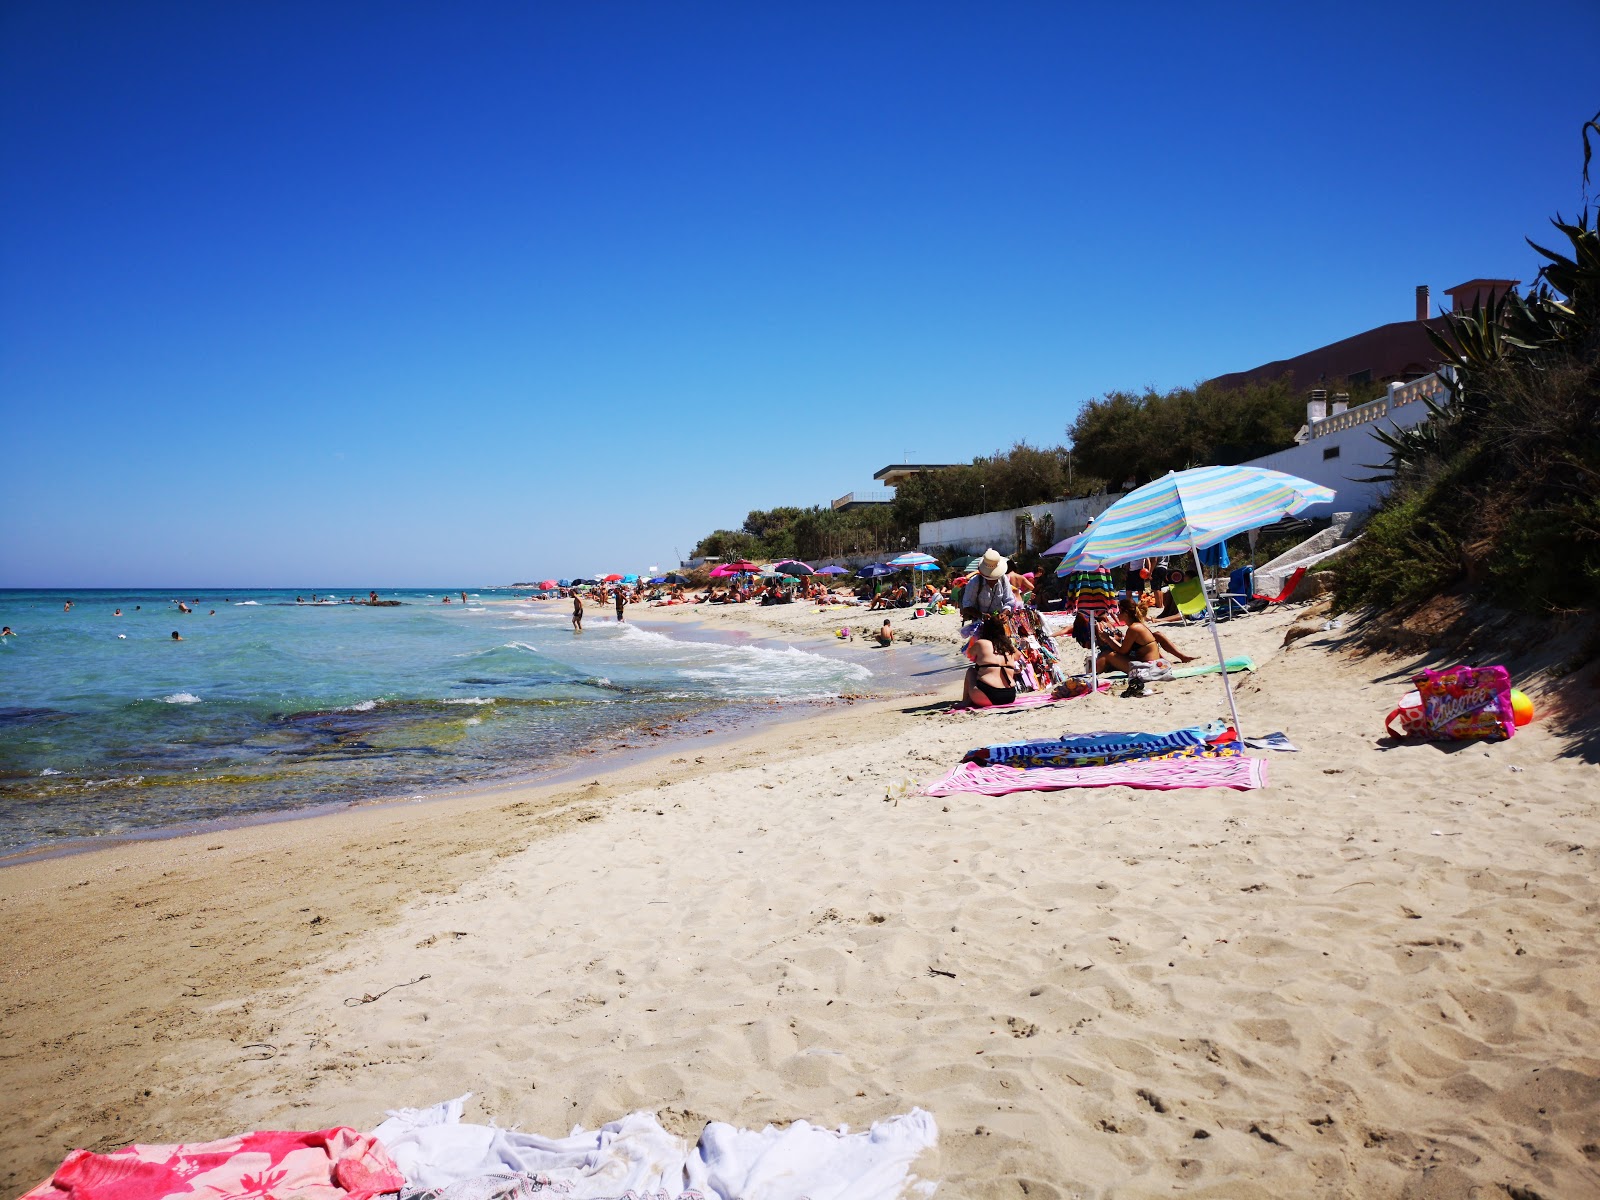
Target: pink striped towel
1242, 774
1026, 700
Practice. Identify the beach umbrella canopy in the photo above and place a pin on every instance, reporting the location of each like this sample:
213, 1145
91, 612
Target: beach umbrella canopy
658, 579
933, 566
1090, 590
612, 578
831, 570
563, 583
549, 583
974, 563
674, 577
875, 571
793, 566
744, 564
914, 559
1184, 511
630, 579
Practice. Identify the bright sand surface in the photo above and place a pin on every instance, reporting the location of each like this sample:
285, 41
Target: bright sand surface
1377, 977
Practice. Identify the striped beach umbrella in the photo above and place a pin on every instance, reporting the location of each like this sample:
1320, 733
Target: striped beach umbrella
914, 559
1184, 511
1189, 510
1090, 591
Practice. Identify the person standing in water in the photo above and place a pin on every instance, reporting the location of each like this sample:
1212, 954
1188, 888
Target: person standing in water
463, 597
622, 601
577, 613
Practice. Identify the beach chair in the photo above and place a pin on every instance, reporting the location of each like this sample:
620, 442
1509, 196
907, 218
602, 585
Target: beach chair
1289, 585
1240, 597
1190, 597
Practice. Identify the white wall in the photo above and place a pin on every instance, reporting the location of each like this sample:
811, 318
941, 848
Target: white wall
974, 535
1356, 453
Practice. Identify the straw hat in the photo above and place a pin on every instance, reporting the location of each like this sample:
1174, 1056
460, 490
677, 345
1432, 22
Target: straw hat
993, 566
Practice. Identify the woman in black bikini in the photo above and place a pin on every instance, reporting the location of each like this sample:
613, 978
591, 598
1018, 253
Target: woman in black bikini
992, 678
1139, 643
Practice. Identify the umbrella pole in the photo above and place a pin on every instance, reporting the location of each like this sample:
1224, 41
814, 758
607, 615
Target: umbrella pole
1094, 659
1216, 640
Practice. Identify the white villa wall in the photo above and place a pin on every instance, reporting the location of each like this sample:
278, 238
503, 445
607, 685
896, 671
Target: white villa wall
1356, 453
974, 535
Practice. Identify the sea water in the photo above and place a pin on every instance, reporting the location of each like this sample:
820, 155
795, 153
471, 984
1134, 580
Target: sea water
272, 703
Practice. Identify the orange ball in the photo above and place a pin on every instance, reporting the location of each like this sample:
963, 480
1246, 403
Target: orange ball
1521, 707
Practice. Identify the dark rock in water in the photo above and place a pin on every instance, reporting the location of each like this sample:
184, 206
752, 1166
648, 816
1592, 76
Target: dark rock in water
31, 716
380, 603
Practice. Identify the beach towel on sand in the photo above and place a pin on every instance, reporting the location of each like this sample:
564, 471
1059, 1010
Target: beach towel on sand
333, 1164
443, 1159
1223, 766
1091, 749
1026, 700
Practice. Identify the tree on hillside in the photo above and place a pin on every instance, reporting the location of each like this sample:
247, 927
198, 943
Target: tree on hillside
1136, 436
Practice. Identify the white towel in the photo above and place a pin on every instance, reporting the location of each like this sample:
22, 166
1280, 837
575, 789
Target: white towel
444, 1159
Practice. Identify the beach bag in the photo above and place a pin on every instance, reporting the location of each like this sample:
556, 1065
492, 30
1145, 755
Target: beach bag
1457, 704
1151, 672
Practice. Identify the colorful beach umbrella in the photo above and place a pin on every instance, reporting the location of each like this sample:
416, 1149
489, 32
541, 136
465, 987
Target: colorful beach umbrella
875, 571
1090, 591
914, 559
793, 566
630, 579
563, 583
833, 570
1186, 510
612, 578
548, 583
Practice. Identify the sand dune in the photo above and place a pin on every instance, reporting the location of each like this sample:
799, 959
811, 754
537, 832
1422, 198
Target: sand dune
1373, 978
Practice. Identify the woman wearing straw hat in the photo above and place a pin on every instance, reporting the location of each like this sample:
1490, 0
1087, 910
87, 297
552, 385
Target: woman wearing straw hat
988, 591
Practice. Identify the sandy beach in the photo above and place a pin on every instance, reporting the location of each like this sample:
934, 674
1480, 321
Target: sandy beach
1376, 977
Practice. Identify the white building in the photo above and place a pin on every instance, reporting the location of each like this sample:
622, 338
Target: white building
1338, 450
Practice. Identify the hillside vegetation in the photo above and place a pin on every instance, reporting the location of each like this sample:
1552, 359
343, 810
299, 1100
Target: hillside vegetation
1499, 491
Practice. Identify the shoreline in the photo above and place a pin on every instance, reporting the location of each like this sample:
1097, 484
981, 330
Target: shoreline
782, 926
751, 717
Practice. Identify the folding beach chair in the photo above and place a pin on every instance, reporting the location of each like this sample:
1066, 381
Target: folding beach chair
1289, 585
1190, 596
1239, 599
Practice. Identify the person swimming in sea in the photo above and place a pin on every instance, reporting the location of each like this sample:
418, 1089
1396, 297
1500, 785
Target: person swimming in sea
118, 613
176, 636
7, 632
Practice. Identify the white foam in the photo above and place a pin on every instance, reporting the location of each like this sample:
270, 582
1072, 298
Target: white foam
752, 671
474, 721
181, 698
364, 706
469, 700
243, 603
49, 771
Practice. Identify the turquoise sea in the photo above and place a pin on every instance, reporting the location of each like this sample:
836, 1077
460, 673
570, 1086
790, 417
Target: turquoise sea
110, 728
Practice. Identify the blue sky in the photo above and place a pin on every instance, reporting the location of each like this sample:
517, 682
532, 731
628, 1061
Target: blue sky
388, 294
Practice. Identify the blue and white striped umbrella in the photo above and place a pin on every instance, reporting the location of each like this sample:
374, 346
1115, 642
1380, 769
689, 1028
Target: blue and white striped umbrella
914, 559
1187, 510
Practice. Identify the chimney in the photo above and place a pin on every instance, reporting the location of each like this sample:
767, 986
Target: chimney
1422, 302
1341, 401
1317, 406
